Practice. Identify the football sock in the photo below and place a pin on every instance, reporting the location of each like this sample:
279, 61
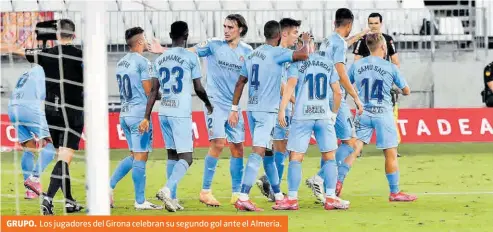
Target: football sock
121, 171
294, 178
279, 159
236, 171
342, 169
251, 170
179, 171
393, 179
169, 170
45, 157
27, 164
139, 179
210, 164
330, 177
342, 152
272, 174
60, 178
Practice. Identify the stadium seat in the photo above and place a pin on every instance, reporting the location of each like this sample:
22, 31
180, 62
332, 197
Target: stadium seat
336, 4
52, 5
237, 5
6, 6
450, 26
126, 5
311, 5
175, 5
28, 5
208, 5
413, 4
260, 5
365, 4
156, 5
77, 5
287, 5
386, 4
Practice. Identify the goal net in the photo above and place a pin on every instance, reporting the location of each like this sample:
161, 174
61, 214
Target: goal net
90, 180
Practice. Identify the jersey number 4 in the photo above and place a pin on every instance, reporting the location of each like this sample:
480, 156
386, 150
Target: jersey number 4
254, 82
124, 85
376, 90
166, 76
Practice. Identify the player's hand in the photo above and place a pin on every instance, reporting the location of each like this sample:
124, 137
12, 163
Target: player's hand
155, 47
365, 31
210, 109
233, 118
333, 118
305, 36
144, 126
359, 106
281, 117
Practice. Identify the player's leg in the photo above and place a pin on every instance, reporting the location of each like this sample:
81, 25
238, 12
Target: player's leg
170, 165
125, 165
47, 151
396, 120
261, 129
387, 141
181, 141
217, 137
298, 140
236, 137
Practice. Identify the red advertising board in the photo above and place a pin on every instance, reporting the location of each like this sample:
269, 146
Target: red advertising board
416, 126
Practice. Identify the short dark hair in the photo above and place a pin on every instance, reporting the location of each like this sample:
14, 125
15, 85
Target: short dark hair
240, 21
179, 29
344, 16
130, 33
289, 22
272, 29
374, 15
67, 28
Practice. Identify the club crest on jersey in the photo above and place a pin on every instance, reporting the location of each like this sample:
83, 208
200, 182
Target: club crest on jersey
202, 44
242, 59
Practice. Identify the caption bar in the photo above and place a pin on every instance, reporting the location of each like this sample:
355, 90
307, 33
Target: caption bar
145, 223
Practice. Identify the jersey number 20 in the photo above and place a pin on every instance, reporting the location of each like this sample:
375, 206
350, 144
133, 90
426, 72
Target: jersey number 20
166, 76
124, 85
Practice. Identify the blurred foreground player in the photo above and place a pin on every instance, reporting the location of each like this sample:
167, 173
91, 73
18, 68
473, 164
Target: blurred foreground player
373, 77
317, 83
28, 118
133, 74
178, 68
64, 109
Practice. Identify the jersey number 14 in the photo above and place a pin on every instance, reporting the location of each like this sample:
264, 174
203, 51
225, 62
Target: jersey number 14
376, 90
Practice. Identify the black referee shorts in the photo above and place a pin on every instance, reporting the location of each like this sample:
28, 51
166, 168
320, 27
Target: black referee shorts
65, 132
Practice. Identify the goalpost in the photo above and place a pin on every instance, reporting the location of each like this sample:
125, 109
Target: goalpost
96, 108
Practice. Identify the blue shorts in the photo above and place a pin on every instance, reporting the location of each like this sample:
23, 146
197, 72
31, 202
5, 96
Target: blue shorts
281, 133
177, 133
301, 131
218, 126
28, 122
344, 123
261, 126
383, 124
137, 142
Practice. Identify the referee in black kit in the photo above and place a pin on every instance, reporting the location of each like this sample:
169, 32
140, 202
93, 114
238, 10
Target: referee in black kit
361, 50
64, 104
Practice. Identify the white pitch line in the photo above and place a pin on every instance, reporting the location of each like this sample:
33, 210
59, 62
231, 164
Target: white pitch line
310, 196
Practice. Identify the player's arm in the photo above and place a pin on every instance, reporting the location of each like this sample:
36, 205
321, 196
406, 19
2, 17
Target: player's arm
303, 53
144, 124
201, 93
292, 99
392, 51
344, 80
146, 74
337, 96
400, 82
356, 37
240, 84
286, 97
490, 85
358, 49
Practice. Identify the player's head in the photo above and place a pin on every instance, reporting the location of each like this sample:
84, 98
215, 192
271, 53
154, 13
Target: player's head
289, 31
312, 47
375, 22
179, 32
272, 30
376, 44
66, 30
344, 21
135, 39
235, 27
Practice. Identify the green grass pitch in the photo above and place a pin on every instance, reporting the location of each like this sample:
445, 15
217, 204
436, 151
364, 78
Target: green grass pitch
454, 183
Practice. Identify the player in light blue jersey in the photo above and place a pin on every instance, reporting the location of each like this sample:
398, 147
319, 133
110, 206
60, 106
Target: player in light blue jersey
317, 85
373, 77
178, 68
133, 74
289, 37
335, 47
224, 60
28, 118
262, 70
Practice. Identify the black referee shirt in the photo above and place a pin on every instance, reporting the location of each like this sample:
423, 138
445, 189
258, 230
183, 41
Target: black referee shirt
72, 71
362, 50
488, 75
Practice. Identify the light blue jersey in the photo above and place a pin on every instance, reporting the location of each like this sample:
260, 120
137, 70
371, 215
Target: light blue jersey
223, 68
313, 91
177, 67
263, 68
374, 78
30, 90
335, 48
131, 70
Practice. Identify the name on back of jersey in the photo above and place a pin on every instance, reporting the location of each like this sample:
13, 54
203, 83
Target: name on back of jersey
171, 57
371, 67
307, 64
314, 109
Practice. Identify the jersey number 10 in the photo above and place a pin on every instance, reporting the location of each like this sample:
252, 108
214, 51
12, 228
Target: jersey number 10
317, 87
